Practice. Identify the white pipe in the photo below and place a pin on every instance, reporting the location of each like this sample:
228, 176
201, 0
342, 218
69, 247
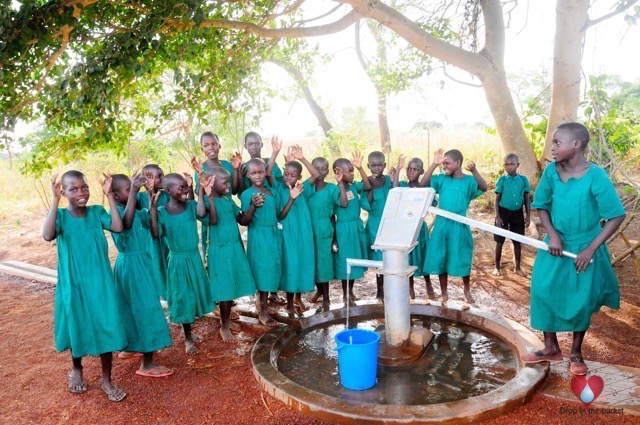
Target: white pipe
397, 319
496, 230
358, 262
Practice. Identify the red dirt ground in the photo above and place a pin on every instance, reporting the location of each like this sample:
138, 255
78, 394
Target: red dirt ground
217, 385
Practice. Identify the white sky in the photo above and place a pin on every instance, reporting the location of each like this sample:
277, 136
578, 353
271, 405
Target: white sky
611, 47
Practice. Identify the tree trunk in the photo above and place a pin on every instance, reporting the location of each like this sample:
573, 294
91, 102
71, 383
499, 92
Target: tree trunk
383, 123
571, 25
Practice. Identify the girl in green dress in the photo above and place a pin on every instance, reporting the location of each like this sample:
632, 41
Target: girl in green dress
157, 247
573, 197
320, 199
188, 289
138, 300
415, 168
350, 234
86, 316
451, 250
229, 272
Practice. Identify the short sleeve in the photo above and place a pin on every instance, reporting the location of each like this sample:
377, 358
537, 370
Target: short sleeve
144, 217
335, 196
500, 185
235, 208
527, 186
544, 192
161, 229
59, 221
609, 204
245, 200
403, 184
359, 187
192, 207
105, 217
308, 189
474, 190
436, 182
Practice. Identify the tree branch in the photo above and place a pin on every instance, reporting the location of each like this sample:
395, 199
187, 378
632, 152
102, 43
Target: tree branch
622, 6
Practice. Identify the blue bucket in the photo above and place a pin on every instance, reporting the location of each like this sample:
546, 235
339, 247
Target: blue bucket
357, 358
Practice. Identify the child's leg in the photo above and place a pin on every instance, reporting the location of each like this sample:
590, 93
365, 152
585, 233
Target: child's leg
517, 250
300, 306
264, 317
291, 309
412, 292
550, 353
430, 293
444, 277
189, 345
150, 369
380, 287
467, 289
576, 363
225, 322
318, 293
496, 270
76, 383
326, 302
113, 391
348, 286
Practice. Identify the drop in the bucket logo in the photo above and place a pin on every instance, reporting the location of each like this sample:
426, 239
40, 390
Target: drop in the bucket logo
587, 390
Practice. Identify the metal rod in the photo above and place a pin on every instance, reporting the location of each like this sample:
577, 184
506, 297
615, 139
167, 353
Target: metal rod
358, 262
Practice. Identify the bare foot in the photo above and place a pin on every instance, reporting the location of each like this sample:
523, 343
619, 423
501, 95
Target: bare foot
353, 296
412, 293
466, 306
496, 272
519, 272
226, 334
190, 347
315, 297
267, 320
235, 327
300, 304
326, 306
469, 298
430, 293
197, 338
291, 311
445, 301
352, 302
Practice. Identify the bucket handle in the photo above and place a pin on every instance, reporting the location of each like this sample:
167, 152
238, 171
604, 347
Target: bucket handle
339, 346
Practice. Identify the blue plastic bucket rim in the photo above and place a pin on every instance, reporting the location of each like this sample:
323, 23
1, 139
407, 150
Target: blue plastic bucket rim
374, 340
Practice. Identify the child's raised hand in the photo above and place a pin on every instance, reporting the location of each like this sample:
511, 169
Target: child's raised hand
357, 159
257, 200
339, 175
188, 178
149, 180
207, 184
296, 190
401, 161
154, 198
236, 160
471, 166
392, 172
137, 181
296, 151
106, 184
438, 156
289, 155
276, 144
197, 166
56, 187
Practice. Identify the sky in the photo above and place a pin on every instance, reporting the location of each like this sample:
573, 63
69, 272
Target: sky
611, 47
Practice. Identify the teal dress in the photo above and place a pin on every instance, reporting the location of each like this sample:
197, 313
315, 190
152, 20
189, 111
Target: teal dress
158, 249
419, 253
322, 207
86, 318
276, 173
298, 258
138, 300
264, 242
188, 289
380, 195
204, 228
561, 299
352, 242
451, 244
229, 272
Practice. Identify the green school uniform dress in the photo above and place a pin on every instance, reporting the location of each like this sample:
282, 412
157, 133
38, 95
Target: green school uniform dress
86, 318
512, 189
419, 253
264, 242
298, 258
204, 227
158, 249
229, 272
276, 173
561, 299
451, 243
322, 207
138, 300
352, 242
188, 289
380, 195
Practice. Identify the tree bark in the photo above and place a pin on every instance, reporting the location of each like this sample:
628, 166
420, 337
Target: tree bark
383, 124
571, 25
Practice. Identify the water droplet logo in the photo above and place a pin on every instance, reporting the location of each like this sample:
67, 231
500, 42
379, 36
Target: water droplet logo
587, 390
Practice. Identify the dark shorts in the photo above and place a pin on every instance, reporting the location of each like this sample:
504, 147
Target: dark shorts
512, 221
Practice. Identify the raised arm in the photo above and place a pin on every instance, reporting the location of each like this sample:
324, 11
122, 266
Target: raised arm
49, 226
137, 181
395, 172
237, 185
357, 163
294, 192
189, 180
153, 213
299, 155
482, 185
344, 201
276, 145
116, 220
438, 158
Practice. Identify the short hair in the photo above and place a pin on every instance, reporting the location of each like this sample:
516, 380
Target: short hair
375, 155
71, 174
209, 134
173, 178
321, 159
513, 157
117, 180
218, 172
455, 154
340, 162
296, 165
578, 132
150, 167
418, 162
256, 162
254, 135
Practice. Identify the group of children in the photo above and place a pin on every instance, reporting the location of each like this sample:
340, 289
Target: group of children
299, 236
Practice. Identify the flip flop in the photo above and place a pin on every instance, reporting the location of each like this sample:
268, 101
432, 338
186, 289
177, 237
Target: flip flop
156, 372
74, 387
116, 395
128, 354
538, 357
577, 366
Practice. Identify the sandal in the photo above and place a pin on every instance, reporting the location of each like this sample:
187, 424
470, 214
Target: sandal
539, 357
75, 387
117, 394
577, 366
